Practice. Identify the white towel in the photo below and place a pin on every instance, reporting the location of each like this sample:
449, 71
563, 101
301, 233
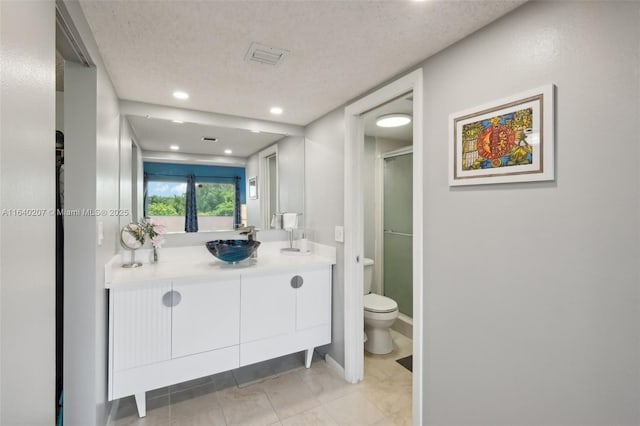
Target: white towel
290, 220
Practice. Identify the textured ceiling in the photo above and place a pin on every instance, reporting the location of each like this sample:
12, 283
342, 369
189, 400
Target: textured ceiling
337, 49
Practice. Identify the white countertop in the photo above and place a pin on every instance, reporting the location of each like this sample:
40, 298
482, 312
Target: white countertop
197, 262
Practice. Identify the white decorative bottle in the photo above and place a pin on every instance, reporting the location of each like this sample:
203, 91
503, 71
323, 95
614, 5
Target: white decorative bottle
303, 245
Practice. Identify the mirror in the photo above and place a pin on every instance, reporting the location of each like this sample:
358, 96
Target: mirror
280, 181
132, 238
160, 148
253, 188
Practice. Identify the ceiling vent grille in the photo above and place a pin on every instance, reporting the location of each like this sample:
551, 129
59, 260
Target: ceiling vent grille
264, 54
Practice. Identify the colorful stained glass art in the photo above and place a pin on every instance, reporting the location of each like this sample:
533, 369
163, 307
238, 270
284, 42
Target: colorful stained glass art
499, 141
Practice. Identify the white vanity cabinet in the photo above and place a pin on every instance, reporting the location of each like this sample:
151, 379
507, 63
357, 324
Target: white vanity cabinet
171, 331
140, 329
167, 331
207, 316
284, 313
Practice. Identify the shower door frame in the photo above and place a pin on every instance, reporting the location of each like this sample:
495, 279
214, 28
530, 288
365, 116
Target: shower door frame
379, 213
354, 231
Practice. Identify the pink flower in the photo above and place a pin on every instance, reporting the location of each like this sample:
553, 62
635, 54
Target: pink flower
159, 229
157, 241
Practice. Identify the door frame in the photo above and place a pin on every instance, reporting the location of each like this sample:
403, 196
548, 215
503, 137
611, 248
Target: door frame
354, 231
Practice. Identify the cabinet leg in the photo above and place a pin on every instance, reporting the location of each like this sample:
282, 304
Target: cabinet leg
141, 403
307, 357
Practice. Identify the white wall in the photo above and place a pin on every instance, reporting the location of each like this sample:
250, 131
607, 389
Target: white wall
27, 244
131, 176
531, 290
324, 206
137, 191
253, 206
80, 246
125, 195
91, 182
291, 175
531, 303
107, 182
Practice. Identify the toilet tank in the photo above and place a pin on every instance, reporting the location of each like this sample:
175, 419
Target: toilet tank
368, 275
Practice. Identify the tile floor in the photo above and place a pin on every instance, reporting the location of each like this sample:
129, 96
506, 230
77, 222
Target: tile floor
283, 392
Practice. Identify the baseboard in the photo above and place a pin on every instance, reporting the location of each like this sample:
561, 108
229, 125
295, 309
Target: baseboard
333, 364
404, 326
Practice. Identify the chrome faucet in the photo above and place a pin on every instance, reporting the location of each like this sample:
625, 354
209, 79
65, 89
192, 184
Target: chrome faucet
249, 231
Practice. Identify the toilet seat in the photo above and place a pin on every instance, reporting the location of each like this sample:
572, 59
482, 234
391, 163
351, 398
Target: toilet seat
380, 304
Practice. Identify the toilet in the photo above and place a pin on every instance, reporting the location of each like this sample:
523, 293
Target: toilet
380, 313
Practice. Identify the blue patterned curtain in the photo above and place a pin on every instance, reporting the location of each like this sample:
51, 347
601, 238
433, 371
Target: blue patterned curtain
191, 216
145, 192
236, 213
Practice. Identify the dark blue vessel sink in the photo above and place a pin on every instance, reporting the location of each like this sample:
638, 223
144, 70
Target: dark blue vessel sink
232, 251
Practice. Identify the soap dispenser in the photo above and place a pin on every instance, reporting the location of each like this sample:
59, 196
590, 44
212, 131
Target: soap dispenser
303, 245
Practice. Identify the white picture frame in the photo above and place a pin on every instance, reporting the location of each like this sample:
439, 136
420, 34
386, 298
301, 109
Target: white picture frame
503, 141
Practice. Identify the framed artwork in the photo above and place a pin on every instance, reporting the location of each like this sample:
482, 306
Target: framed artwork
253, 188
508, 140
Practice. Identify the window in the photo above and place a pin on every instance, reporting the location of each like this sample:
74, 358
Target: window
215, 203
219, 196
166, 201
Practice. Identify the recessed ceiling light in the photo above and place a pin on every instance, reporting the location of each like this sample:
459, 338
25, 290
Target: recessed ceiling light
228, 151
393, 120
174, 147
178, 94
276, 110
178, 121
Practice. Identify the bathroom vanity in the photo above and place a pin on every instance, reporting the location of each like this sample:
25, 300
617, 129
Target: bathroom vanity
193, 316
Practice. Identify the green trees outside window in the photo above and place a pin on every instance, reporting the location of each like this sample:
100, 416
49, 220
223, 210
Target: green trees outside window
166, 201
215, 199
212, 199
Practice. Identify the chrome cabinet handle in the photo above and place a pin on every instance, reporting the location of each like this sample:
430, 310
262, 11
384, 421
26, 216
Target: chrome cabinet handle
171, 298
296, 281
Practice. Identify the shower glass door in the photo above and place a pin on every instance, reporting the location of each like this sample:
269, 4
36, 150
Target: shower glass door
398, 231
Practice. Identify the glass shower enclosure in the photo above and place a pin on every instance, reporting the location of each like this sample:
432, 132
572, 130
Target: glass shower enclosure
398, 230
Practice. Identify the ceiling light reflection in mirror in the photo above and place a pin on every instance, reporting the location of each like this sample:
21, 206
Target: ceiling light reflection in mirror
155, 135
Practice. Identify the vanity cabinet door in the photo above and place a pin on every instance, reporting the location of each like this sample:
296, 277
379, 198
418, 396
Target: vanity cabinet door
313, 299
206, 315
141, 325
268, 307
